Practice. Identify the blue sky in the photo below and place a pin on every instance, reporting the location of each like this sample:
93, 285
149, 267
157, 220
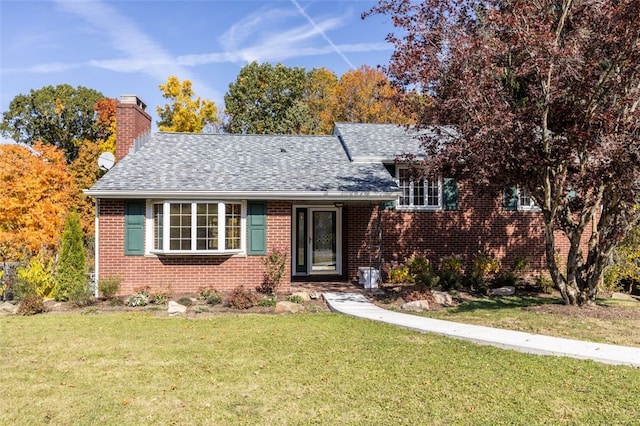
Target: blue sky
130, 47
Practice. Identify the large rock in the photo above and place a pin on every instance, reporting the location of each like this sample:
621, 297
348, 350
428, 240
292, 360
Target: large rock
175, 308
7, 308
303, 295
503, 291
442, 298
286, 307
416, 306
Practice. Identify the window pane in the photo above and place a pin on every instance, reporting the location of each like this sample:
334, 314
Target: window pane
432, 193
180, 226
232, 226
525, 200
157, 226
418, 193
403, 183
207, 223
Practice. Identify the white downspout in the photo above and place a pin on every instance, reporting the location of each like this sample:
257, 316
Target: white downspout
97, 248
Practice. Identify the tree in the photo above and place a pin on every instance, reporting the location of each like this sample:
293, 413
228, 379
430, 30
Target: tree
320, 98
71, 276
267, 99
365, 95
543, 95
106, 124
85, 172
185, 114
35, 195
61, 116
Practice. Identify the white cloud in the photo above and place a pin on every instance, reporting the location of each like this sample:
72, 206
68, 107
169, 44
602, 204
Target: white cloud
263, 37
141, 53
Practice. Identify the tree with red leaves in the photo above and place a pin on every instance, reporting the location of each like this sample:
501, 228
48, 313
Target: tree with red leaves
541, 94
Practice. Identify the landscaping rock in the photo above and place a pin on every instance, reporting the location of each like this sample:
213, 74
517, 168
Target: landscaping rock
303, 295
176, 309
442, 298
7, 308
286, 307
416, 306
503, 291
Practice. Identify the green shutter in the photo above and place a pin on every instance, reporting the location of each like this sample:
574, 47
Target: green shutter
134, 228
510, 197
450, 194
257, 224
388, 205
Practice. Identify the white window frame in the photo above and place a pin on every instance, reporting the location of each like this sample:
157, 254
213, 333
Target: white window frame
166, 204
530, 206
411, 205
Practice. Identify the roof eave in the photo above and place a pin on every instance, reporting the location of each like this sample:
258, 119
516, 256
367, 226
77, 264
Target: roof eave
247, 195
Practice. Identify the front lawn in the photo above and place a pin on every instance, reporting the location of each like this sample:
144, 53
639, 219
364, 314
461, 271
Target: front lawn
132, 368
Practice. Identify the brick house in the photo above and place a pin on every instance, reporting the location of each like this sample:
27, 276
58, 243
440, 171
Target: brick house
182, 211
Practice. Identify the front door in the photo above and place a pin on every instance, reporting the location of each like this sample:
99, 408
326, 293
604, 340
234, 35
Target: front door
317, 240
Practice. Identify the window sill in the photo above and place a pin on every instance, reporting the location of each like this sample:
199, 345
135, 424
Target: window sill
198, 253
418, 209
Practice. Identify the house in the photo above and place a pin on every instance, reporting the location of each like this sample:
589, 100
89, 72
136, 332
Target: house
182, 211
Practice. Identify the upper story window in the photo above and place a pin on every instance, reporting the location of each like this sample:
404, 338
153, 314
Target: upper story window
419, 193
516, 198
426, 194
198, 227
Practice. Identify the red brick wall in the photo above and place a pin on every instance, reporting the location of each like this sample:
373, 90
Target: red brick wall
186, 274
479, 225
132, 122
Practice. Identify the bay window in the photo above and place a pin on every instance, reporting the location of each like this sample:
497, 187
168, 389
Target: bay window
198, 227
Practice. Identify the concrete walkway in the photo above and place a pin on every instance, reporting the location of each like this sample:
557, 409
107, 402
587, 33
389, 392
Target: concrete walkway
357, 305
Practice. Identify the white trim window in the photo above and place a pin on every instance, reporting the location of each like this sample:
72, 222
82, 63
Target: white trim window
418, 193
516, 198
200, 227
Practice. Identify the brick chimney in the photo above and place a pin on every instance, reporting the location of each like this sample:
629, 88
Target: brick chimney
133, 125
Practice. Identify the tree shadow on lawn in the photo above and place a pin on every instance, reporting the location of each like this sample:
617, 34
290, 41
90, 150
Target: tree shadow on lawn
503, 302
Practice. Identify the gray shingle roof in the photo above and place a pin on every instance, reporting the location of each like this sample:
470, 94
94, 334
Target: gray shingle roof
244, 166
381, 142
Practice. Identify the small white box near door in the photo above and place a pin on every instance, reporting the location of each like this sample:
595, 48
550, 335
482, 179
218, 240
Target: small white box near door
368, 277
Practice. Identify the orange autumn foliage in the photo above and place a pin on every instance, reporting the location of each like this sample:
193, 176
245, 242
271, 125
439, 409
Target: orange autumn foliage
35, 196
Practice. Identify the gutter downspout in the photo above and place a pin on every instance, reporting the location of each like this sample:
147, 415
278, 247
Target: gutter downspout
97, 248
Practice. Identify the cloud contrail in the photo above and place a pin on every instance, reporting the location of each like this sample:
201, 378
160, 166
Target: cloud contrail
323, 34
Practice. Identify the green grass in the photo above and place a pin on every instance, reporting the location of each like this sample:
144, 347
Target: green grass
508, 313
296, 369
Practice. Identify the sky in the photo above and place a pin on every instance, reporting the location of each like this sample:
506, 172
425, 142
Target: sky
130, 47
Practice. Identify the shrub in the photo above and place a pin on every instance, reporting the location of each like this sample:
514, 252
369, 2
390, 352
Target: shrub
423, 275
205, 292
451, 272
36, 277
241, 298
484, 266
159, 298
185, 301
31, 304
214, 299
80, 295
71, 277
275, 265
109, 286
267, 302
399, 274
295, 298
544, 283
139, 298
